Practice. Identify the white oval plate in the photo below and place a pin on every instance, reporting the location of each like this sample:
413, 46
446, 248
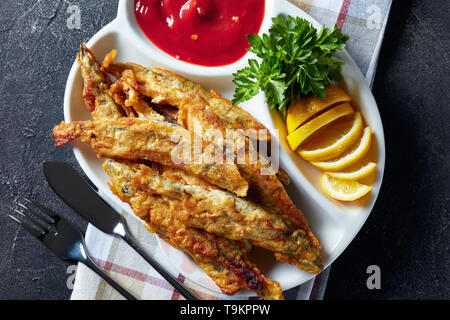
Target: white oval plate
335, 223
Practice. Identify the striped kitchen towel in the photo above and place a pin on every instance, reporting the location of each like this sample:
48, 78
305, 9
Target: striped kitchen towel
364, 21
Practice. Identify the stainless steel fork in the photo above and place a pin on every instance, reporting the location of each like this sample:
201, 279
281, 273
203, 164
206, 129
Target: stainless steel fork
62, 238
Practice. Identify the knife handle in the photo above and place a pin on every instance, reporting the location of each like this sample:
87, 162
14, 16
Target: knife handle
91, 265
160, 269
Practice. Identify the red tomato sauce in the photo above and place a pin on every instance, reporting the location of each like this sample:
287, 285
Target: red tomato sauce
204, 32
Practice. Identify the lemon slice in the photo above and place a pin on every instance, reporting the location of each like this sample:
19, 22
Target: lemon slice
339, 146
356, 154
361, 172
304, 108
300, 135
343, 190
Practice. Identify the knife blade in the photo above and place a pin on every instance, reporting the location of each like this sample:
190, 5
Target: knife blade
85, 200
81, 196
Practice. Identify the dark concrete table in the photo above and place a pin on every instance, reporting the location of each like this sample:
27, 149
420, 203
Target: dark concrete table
408, 233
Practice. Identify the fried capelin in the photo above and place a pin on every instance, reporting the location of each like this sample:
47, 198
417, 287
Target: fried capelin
165, 87
208, 208
152, 140
225, 261
125, 94
96, 85
265, 187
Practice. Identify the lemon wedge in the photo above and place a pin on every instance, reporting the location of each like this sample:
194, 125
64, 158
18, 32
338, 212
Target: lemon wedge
361, 172
339, 146
298, 136
353, 156
304, 108
343, 190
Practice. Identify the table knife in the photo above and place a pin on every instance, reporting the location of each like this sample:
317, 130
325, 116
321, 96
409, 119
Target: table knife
84, 198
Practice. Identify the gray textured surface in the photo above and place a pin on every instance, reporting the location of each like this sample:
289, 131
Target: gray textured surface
408, 233
36, 53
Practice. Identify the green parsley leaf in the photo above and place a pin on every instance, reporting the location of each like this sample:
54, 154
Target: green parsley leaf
295, 60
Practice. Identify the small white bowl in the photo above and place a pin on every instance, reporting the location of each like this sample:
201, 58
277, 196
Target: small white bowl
126, 16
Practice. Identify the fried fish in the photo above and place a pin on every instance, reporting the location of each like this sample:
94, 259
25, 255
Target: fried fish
208, 208
215, 113
96, 87
124, 93
152, 140
225, 261
266, 187
270, 192
165, 87
181, 200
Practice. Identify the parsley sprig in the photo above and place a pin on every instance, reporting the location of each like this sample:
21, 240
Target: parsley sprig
295, 60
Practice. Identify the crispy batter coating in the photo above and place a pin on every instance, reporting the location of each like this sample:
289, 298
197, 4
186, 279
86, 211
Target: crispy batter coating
117, 92
195, 113
165, 87
223, 260
214, 113
153, 140
222, 213
267, 188
199, 109
283, 177
180, 201
96, 87
125, 94
272, 195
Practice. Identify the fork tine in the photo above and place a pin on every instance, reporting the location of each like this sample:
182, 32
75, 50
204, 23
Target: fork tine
51, 216
24, 225
26, 214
